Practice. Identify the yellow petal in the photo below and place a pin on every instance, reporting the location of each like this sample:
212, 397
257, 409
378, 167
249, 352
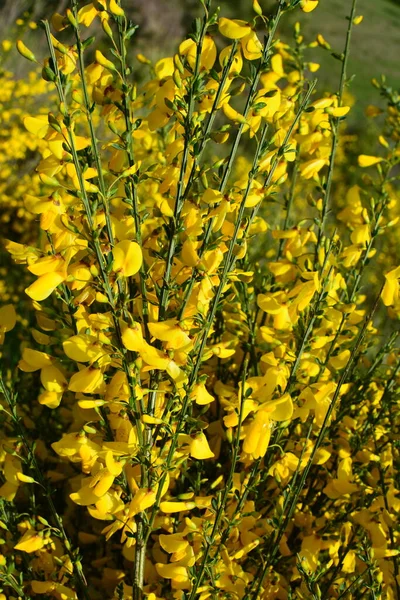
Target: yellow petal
170, 331
37, 125
251, 46
308, 5
45, 285
349, 562
132, 337
115, 9
390, 292
42, 587
212, 196
53, 380
189, 255
233, 29
86, 14
173, 542
143, 498
24, 51
283, 408
340, 111
201, 396
365, 160
127, 258
173, 507
103, 61
50, 399
87, 380
258, 434
340, 360
188, 48
36, 359
269, 304
154, 357
87, 404
232, 114
84, 497
172, 571
31, 541
312, 167
82, 348
48, 264
8, 317
199, 447
164, 67
113, 466
103, 481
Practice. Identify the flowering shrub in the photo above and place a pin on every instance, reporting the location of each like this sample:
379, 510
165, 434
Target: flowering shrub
205, 403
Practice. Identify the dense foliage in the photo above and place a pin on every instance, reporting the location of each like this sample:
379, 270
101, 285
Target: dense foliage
200, 366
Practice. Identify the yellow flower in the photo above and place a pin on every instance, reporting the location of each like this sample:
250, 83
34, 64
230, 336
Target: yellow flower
50, 399
342, 485
232, 114
143, 499
175, 572
233, 29
132, 337
115, 9
53, 379
390, 292
171, 332
312, 167
173, 543
368, 161
199, 447
7, 45
87, 14
8, 319
25, 52
45, 285
127, 258
251, 46
103, 61
201, 395
87, 381
85, 348
258, 434
31, 541
308, 5
33, 360
208, 56
176, 507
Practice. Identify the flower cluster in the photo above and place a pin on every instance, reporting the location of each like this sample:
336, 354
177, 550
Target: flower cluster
204, 405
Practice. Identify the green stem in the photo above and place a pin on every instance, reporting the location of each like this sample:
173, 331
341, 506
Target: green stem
179, 200
93, 138
335, 127
131, 161
198, 577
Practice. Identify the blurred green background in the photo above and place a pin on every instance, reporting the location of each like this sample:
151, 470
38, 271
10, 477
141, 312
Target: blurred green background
163, 23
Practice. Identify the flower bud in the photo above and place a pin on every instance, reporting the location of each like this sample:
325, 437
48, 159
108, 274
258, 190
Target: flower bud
25, 52
257, 8
115, 9
71, 18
